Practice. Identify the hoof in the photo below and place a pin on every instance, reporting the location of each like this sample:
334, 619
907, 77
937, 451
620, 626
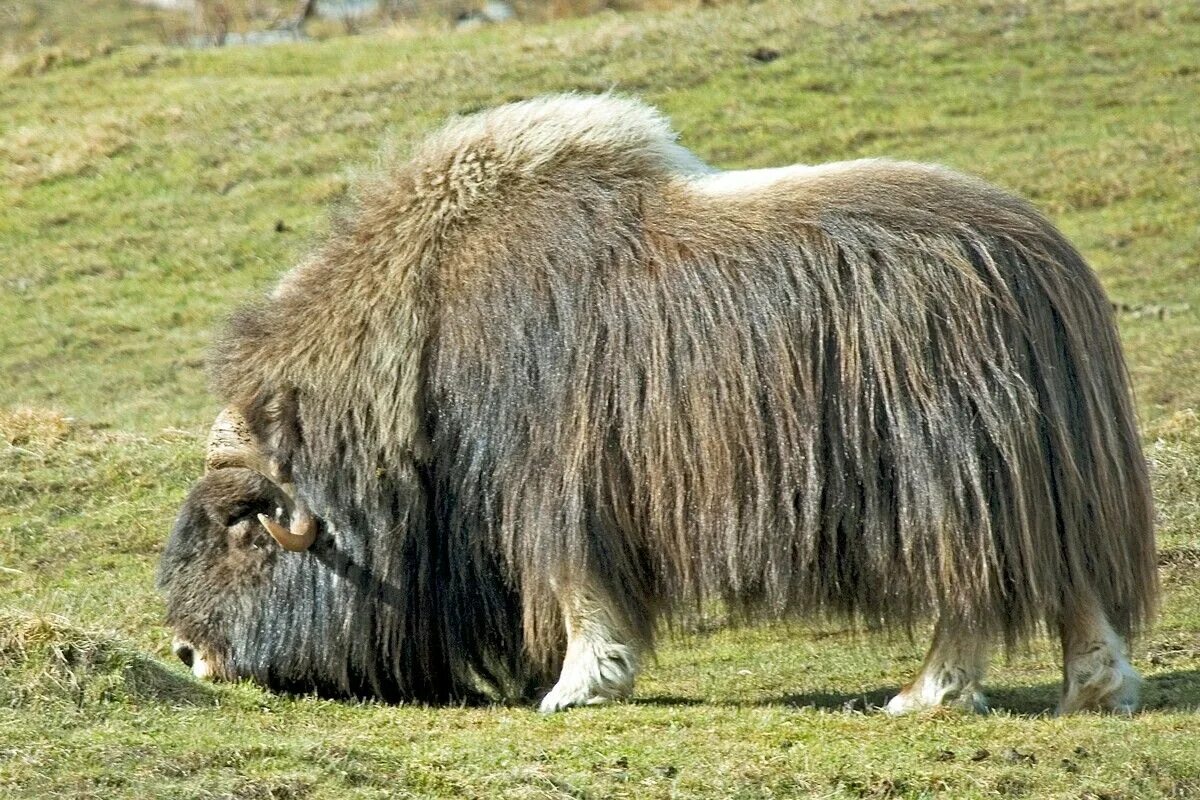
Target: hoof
592, 676
1101, 681
909, 703
944, 688
561, 698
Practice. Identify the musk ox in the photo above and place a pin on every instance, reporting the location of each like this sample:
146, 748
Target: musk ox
553, 379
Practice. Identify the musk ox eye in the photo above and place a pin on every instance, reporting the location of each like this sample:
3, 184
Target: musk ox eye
248, 533
235, 517
248, 512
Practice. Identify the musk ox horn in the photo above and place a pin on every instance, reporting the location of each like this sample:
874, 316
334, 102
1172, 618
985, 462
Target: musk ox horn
231, 444
295, 541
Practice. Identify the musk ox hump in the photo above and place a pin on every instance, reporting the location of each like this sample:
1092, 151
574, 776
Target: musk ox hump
474, 156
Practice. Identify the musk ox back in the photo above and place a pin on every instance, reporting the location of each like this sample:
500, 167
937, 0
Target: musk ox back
553, 379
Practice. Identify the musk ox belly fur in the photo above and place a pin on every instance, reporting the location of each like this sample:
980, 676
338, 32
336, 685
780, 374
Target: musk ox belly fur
553, 379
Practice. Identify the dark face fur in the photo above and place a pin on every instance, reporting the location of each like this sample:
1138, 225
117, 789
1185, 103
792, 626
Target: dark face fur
218, 558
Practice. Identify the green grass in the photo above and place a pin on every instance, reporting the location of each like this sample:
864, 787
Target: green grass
141, 190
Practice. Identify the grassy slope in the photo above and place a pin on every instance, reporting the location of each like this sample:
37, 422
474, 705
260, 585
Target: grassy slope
75, 29
141, 192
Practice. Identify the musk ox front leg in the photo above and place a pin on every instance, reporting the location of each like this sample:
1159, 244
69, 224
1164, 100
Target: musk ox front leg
602, 657
952, 674
1097, 674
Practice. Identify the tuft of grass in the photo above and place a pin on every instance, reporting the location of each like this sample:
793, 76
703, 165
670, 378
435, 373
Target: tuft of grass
37, 36
45, 662
33, 426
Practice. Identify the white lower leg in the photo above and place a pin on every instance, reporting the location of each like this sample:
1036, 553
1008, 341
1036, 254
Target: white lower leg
951, 675
1096, 672
600, 665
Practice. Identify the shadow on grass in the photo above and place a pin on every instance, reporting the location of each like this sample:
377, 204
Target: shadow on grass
150, 680
1166, 691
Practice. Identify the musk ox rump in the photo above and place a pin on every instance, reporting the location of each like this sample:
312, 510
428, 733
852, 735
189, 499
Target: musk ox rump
553, 379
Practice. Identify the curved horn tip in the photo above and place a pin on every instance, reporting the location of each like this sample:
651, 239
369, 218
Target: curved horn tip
292, 542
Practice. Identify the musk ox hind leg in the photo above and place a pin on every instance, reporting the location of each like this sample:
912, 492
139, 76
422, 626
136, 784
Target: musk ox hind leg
602, 656
951, 675
1097, 674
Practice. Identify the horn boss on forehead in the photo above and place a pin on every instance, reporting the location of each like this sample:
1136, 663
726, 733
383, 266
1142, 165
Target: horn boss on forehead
553, 379
231, 444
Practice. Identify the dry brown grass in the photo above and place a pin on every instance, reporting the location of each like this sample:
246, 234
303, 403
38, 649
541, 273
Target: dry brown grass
20, 427
47, 662
33, 154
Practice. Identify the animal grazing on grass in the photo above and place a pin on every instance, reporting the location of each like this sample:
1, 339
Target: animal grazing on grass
553, 380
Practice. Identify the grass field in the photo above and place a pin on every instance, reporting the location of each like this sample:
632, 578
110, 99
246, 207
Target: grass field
145, 192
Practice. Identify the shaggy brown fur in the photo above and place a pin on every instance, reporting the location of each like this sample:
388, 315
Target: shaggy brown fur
551, 350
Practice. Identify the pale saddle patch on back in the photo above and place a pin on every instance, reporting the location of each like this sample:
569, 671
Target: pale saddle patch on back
747, 182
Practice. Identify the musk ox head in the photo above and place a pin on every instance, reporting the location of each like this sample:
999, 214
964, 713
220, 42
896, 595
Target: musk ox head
223, 548
217, 560
257, 587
